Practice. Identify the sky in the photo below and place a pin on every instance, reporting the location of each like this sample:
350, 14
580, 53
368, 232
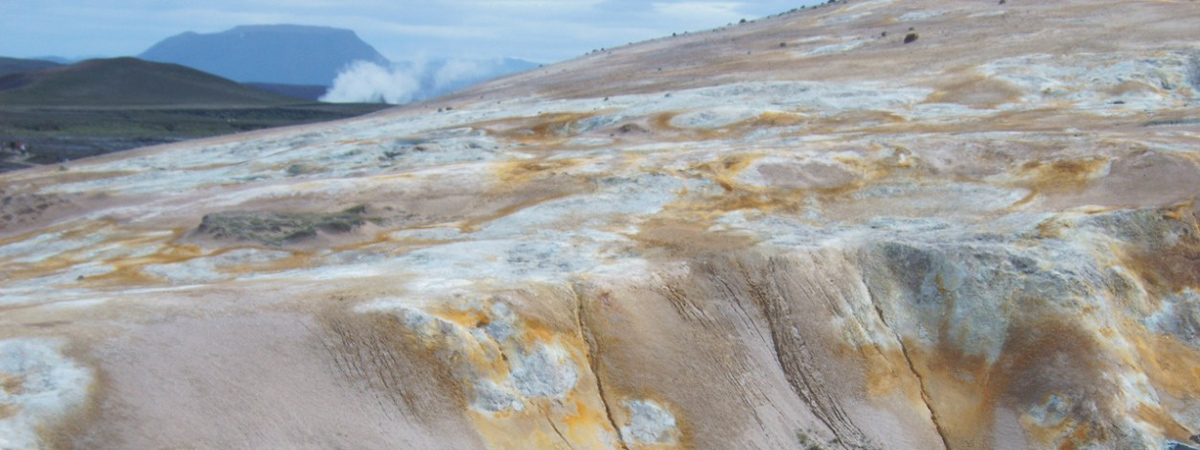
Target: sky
542, 31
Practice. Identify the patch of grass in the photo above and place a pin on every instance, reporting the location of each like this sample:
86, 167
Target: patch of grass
107, 105
166, 122
808, 442
57, 133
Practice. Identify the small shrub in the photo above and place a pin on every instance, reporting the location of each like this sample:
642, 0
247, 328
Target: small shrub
808, 443
910, 38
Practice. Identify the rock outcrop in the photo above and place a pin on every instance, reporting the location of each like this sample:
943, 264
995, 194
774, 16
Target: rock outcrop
982, 239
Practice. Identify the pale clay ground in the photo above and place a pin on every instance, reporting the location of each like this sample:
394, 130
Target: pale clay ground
790, 233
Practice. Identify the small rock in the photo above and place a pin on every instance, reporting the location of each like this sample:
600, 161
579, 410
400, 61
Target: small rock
545, 372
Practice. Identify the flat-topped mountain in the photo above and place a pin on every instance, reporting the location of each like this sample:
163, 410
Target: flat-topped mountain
873, 225
279, 54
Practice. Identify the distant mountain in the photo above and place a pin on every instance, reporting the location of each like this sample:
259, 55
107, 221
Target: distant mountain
281, 54
17, 65
62, 61
129, 81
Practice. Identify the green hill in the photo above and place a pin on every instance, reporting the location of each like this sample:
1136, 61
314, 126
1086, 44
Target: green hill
129, 82
17, 65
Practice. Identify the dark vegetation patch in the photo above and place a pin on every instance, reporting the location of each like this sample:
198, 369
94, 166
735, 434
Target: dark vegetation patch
106, 105
1171, 122
57, 134
276, 229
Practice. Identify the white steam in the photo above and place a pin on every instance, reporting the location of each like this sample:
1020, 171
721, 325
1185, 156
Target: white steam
367, 82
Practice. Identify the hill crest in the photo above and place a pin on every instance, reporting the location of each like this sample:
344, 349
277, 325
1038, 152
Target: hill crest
128, 82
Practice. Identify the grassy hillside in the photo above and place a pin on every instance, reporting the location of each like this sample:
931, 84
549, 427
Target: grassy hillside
108, 105
59, 133
17, 65
129, 82
185, 122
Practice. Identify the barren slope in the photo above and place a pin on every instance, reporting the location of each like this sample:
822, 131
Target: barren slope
791, 233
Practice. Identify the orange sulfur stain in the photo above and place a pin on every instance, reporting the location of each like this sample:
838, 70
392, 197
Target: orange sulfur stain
1062, 175
11, 385
1042, 356
575, 421
8, 411
543, 128
516, 172
976, 91
779, 119
1172, 366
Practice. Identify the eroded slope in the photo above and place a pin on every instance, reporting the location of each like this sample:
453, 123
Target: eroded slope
799, 233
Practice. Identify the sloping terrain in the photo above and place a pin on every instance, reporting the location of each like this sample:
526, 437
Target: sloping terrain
799, 232
129, 82
101, 106
18, 65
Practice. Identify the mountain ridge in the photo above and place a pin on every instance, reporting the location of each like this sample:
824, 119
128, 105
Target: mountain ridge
278, 54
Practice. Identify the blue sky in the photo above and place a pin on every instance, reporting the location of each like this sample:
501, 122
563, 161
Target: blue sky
537, 30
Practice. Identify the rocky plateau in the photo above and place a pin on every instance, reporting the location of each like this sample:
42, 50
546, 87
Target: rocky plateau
798, 232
